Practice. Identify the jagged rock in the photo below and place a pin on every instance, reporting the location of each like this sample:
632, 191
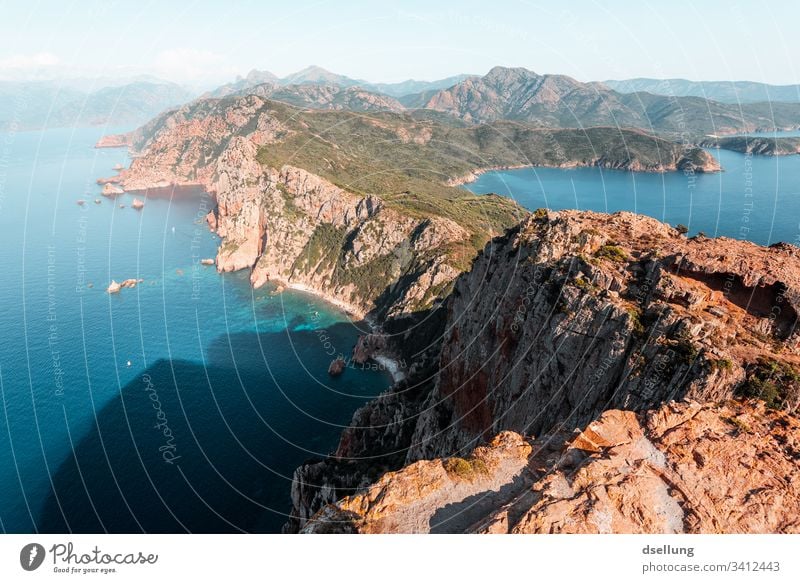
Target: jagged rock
111, 190
569, 315
336, 367
115, 287
684, 468
367, 346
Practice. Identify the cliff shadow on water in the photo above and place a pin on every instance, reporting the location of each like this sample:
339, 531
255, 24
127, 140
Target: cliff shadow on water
188, 447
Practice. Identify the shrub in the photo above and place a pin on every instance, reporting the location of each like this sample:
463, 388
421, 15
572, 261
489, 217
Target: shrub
771, 381
465, 469
682, 229
613, 253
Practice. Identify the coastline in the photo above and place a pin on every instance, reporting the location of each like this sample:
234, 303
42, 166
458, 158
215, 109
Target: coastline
473, 175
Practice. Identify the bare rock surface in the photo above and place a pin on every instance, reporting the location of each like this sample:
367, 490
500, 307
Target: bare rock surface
682, 468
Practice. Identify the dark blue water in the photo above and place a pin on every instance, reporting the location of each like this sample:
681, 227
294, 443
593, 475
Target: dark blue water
755, 198
227, 388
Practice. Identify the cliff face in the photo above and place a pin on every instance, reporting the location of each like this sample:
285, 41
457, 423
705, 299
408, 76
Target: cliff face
576, 313
682, 468
570, 315
288, 225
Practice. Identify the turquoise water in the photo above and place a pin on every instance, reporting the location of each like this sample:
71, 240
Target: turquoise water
755, 198
227, 388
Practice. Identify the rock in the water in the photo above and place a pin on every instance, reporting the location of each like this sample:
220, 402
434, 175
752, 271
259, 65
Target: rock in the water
115, 287
336, 367
111, 190
207, 261
137, 204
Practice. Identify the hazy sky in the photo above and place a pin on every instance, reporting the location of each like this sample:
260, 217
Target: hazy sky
205, 42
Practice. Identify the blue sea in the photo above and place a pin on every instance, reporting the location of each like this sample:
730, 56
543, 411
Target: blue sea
756, 198
183, 404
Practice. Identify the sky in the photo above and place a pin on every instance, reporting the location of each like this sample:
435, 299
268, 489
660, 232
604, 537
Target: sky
203, 43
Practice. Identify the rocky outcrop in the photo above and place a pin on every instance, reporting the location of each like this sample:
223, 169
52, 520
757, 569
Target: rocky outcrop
568, 316
589, 312
115, 287
113, 141
682, 468
759, 146
110, 189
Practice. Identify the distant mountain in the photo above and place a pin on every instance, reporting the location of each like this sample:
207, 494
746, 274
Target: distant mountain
318, 76
559, 101
411, 86
724, 91
252, 79
332, 97
34, 105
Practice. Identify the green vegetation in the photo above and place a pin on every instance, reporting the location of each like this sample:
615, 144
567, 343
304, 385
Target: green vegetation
723, 364
741, 426
682, 229
322, 248
771, 381
466, 469
636, 321
613, 253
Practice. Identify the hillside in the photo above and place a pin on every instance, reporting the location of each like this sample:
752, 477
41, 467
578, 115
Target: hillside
560, 101
759, 145
723, 91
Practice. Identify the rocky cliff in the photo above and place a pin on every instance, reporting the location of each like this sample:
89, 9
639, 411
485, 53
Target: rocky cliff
570, 315
681, 468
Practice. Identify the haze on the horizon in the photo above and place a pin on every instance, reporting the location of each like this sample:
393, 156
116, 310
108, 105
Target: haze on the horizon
205, 43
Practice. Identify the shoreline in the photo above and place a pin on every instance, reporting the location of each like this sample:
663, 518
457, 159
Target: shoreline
385, 359
473, 175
